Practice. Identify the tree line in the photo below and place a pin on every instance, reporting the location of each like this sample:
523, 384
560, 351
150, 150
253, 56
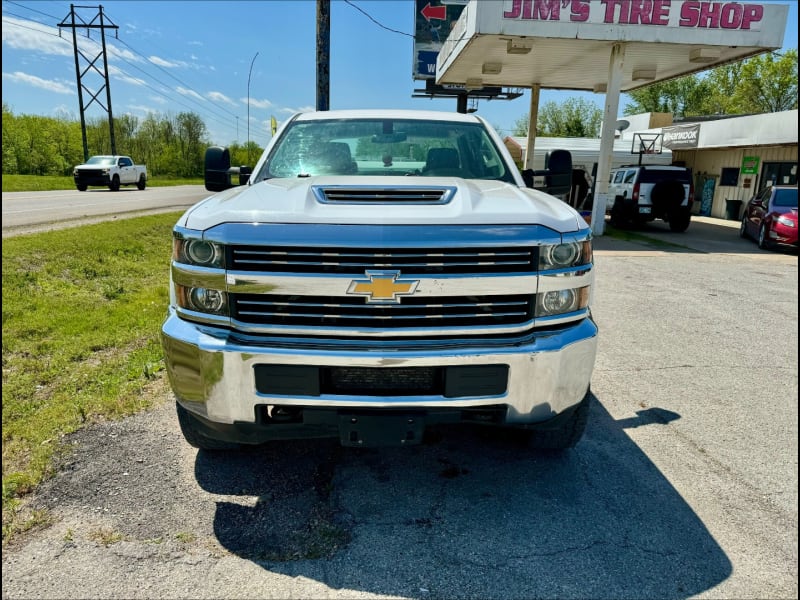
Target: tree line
170, 145
762, 84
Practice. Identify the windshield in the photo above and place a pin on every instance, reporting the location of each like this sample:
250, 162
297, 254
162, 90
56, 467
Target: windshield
786, 197
101, 160
385, 147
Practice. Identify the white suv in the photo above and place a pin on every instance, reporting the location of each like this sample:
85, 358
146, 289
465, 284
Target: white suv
648, 192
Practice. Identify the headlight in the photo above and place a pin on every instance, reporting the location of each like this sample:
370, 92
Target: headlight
558, 302
75, 173
562, 256
199, 252
106, 171
204, 300
786, 221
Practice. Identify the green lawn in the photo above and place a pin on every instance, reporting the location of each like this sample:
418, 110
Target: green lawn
82, 310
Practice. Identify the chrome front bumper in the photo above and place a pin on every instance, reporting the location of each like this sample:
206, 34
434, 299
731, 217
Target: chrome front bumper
212, 374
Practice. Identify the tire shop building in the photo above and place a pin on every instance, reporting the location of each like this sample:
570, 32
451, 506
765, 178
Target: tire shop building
609, 48
732, 158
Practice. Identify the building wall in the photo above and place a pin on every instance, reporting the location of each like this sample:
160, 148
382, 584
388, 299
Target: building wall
709, 163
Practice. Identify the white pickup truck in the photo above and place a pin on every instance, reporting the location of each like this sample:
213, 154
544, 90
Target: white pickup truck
379, 272
111, 172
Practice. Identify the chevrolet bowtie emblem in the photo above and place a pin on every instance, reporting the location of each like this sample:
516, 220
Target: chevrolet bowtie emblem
383, 287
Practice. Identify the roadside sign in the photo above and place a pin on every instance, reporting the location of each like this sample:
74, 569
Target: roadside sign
433, 21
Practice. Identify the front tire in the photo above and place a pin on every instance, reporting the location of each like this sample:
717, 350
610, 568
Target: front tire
619, 216
192, 434
763, 240
142, 183
743, 227
114, 185
81, 188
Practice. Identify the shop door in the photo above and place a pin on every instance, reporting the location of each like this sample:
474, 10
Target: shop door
778, 173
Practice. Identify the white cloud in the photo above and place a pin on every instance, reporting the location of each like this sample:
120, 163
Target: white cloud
291, 111
21, 34
220, 97
257, 103
192, 93
165, 63
30, 35
158, 99
59, 87
142, 109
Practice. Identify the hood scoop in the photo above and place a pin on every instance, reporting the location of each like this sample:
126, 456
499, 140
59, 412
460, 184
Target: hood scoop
416, 195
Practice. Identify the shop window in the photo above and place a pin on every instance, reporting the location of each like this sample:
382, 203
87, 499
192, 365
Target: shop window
729, 176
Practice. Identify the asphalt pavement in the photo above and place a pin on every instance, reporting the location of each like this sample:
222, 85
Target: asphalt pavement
684, 485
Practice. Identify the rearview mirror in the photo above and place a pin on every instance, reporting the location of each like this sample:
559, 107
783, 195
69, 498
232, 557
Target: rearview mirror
389, 138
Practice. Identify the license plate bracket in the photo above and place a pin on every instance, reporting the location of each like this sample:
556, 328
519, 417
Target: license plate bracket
645, 210
362, 430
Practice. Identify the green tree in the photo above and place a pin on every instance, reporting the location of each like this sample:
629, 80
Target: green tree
575, 117
682, 97
768, 83
190, 139
762, 84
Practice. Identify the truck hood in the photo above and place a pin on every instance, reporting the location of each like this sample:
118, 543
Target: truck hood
475, 202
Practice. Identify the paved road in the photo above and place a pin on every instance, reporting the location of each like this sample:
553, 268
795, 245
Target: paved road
685, 484
38, 211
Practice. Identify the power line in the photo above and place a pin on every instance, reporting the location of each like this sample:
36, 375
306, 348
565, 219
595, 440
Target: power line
135, 51
171, 75
30, 9
210, 114
378, 23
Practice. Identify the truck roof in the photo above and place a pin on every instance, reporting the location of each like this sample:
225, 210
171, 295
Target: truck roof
388, 114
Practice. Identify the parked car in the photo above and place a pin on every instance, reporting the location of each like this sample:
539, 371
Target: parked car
771, 217
643, 193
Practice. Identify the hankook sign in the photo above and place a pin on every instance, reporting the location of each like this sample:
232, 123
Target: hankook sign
681, 137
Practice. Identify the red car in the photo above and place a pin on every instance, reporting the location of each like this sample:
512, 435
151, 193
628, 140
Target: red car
771, 217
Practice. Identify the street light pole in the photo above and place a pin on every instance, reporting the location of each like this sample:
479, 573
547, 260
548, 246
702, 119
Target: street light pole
248, 108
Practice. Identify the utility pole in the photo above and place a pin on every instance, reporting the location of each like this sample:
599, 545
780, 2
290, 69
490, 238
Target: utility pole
98, 22
323, 54
248, 108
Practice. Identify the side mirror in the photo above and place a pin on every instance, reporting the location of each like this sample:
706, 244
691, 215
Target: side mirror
557, 173
558, 179
219, 174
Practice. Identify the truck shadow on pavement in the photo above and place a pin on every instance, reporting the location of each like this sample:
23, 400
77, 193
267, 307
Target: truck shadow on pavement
470, 514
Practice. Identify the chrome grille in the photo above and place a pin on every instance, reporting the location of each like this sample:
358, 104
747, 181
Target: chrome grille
409, 261
345, 312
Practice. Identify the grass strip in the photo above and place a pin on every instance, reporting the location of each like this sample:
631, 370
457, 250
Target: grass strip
82, 310
46, 183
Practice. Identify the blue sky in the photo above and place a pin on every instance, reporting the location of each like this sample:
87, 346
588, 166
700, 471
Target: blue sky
176, 56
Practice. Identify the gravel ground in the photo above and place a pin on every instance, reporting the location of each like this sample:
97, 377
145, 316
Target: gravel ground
685, 484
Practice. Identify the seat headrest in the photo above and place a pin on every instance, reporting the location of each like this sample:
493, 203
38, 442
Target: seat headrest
442, 158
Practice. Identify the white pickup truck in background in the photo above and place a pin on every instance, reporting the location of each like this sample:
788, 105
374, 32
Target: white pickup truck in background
110, 171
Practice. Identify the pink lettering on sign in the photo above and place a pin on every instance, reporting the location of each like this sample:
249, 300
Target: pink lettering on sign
700, 14
515, 11
720, 15
537, 10
579, 11
660, 12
